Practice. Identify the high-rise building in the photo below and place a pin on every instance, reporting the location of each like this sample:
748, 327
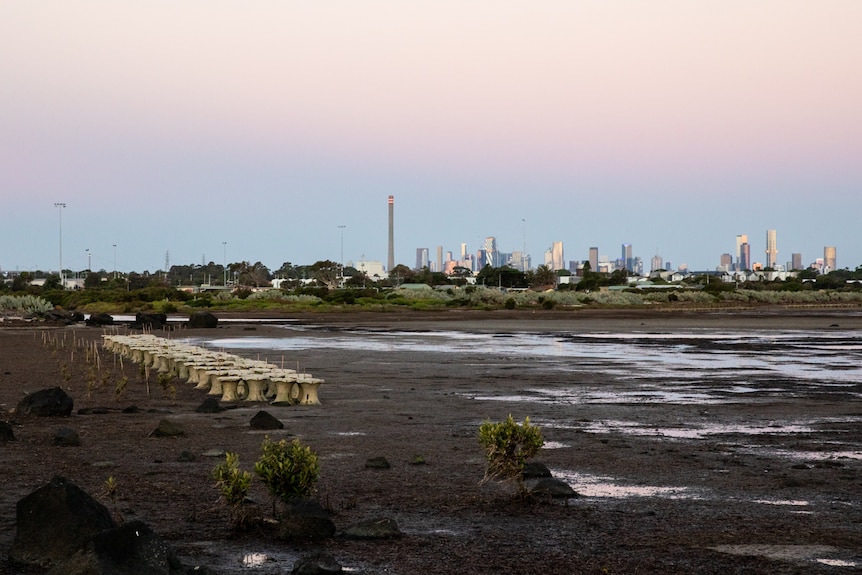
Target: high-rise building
594, 259
830, 259
391, 259
656, 263
796, 261
557, 262
421, 258
439, 266
740, 240
726, 262
771, 249
628, 260
490, 248
744, 262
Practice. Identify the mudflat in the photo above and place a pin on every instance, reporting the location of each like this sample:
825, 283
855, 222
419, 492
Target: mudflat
784, 499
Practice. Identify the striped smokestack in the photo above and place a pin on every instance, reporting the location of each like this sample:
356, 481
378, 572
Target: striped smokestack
391, 261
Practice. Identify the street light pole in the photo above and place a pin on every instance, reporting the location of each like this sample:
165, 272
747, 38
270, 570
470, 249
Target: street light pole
115, 261
224, 262
89, 260
342, 250
61, 205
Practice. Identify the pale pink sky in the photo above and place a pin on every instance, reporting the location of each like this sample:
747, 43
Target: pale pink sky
560, 96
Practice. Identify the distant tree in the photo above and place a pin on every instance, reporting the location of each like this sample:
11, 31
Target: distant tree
247, 274
401, 274
327, 273
504, 277
93, 280
543, 276
461, 272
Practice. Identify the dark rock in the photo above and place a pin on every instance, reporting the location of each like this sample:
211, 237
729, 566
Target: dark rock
209, 405
202, 320
131, 409
377, 463
535, 469
130, 549
305, 520
551, 487
51, 402
151, 320
98, 319
187, 457
377, 528
265, 420
320, 563
168, 428
55, 521
6, 433
66, 437
59, 315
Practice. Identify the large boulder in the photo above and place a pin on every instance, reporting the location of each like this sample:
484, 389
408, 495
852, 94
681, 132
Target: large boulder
99, 319
305, 520
152, 320
266, 421
551, 487
54, 522
130, 549
51, 402
202, 320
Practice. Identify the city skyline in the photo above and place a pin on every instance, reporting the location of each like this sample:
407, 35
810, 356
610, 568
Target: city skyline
276, 133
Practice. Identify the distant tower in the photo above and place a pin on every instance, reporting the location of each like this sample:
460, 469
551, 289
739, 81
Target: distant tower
741, 239
830, 259
771, 249
656, 264
628, 260
796, 261
557, 256
594, 259
490, 248
439, 259
391, 261
744, 257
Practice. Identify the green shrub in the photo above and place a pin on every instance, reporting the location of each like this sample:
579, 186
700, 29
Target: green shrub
508, 445
289, 470
233, 483
510, 303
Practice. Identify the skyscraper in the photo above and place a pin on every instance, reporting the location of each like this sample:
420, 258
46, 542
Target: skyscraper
391, 260
744, 257
656, 263
740, 240
557, 261
490, 249
830, 259
594, 259
421, 258
796, 261
771, 249
628, 261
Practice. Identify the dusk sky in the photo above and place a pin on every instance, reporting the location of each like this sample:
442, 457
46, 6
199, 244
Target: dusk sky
673, 125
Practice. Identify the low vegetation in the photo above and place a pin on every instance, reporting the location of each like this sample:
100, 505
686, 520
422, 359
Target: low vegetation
495, 288
288, 470
508, 445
